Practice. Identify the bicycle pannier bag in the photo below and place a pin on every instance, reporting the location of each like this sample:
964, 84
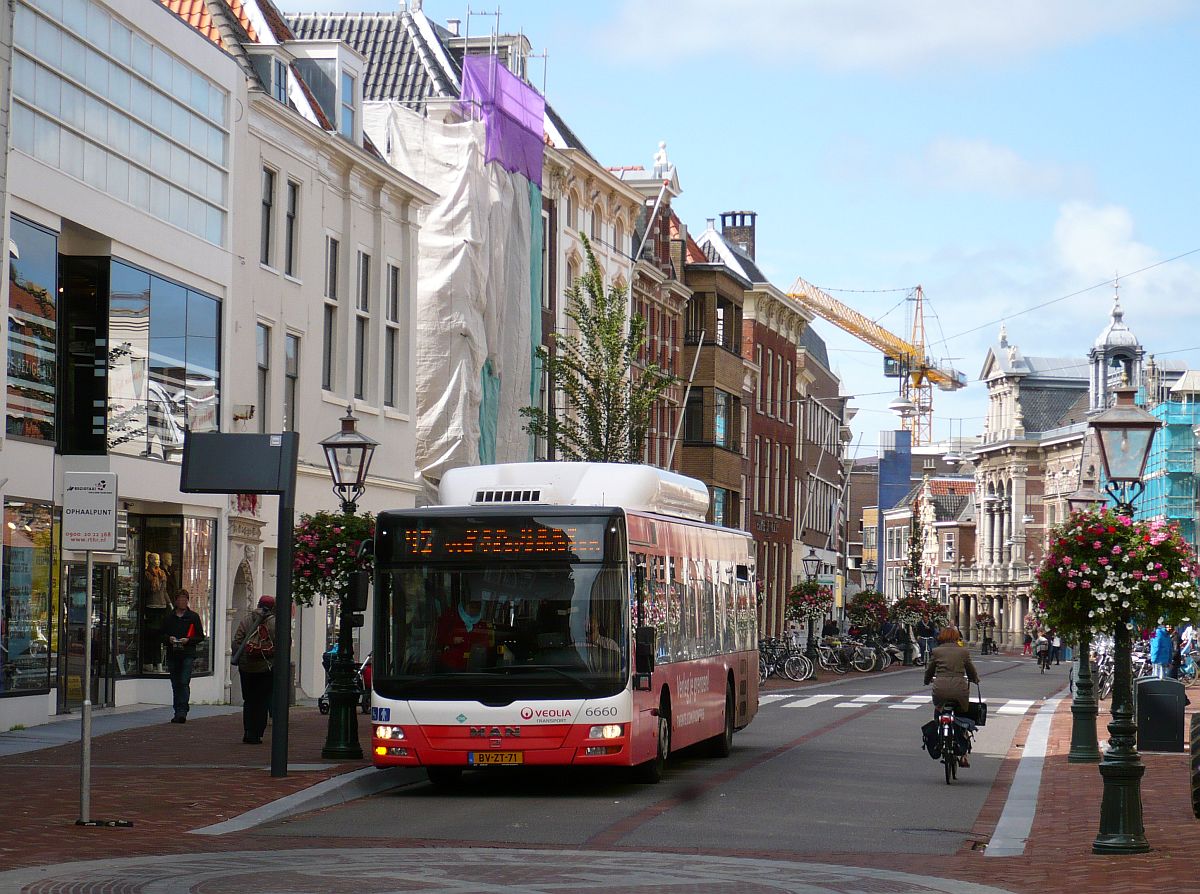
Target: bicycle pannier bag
933, 742
977, 711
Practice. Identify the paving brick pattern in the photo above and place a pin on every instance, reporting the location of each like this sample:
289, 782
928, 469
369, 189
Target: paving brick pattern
171, 778
166, 779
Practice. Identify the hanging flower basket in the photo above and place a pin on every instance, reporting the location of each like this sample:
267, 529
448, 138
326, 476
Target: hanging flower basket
1035, 620
908, 610
985, 619
809, 599
867, 608
1105, 569
325, 552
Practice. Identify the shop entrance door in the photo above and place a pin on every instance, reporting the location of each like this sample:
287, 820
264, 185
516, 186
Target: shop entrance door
71, 663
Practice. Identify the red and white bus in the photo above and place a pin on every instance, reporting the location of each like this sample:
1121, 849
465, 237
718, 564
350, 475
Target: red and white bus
560, 614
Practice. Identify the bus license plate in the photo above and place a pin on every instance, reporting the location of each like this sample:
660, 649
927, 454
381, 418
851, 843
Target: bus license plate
479, 758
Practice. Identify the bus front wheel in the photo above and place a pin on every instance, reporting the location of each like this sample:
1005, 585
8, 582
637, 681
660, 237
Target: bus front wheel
652, 771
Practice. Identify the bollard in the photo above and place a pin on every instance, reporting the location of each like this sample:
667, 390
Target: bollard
1194, 743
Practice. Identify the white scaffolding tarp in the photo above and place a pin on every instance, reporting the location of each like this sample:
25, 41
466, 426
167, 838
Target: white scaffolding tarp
473, 316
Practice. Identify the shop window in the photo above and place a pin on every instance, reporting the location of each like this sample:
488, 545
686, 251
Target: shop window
32, 331
28, 603
168, 553
164, 376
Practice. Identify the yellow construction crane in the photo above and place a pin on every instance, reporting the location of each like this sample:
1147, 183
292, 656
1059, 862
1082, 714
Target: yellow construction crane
903, 360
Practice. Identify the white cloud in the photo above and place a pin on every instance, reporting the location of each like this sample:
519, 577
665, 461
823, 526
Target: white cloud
871, 34
980, 166
1092, 243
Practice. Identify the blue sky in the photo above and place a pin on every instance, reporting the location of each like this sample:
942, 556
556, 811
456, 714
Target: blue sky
1000, 154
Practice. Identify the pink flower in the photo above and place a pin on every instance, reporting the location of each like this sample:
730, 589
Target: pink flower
1163, 574
1096, 544
1087, 584
1066, 560
1137, 575
1070, 584
1103, 561
1116, 550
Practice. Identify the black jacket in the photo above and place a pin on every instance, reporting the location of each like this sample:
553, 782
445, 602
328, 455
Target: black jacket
188, 625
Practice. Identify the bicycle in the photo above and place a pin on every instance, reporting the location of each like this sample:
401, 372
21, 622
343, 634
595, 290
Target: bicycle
362, 683
948, 738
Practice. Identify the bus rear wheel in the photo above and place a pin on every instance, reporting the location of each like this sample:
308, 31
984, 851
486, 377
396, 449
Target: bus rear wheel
721, 744
444, 777
653, 770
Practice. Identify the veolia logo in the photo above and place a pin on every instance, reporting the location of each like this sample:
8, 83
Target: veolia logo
526, 713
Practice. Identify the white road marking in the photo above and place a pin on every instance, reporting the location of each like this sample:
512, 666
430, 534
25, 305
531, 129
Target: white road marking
1016, 820
1015, 706
810, 701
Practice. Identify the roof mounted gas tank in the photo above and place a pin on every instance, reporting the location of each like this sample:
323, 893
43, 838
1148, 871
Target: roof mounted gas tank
639, 488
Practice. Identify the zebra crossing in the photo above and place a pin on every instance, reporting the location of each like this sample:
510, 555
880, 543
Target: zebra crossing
1017, 706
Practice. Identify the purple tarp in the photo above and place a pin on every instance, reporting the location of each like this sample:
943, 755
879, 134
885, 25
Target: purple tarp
513, 115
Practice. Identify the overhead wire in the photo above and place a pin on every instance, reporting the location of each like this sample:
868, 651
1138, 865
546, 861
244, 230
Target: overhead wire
1074, 294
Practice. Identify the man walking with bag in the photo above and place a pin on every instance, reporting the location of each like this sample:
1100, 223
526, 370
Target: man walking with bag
181, 632
254, 655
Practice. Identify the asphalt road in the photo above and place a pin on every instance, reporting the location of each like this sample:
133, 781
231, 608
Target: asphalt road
831, 769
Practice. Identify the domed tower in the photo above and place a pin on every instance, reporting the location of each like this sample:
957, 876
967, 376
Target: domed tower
1116, 353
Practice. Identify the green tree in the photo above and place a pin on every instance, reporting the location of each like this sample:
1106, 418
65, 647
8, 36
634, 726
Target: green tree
608, 407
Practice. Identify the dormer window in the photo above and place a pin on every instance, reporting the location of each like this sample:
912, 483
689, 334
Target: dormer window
272, 70
333, 73
279, 80
347, 104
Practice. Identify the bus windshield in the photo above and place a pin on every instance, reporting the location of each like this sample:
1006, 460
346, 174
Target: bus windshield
497, 630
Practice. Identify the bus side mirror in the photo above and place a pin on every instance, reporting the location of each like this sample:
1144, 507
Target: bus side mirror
643, 657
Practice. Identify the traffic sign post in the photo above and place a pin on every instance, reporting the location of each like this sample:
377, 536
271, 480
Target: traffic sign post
89, 523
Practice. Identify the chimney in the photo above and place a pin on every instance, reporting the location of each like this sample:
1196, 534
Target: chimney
738, 227
452, 26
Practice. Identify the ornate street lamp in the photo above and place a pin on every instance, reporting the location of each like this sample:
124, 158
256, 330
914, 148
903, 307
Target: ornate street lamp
1125, 433
868, 573
348, 453
1085, 749
812, 567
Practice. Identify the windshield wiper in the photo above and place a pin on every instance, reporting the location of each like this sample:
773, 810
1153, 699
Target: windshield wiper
509, 668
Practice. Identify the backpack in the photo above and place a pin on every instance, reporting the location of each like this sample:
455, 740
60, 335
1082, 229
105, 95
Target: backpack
260, 643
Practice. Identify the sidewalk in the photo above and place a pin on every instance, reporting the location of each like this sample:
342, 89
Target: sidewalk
168, 779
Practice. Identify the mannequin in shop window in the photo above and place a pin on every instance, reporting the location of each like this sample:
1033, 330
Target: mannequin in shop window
172, 577
157, 602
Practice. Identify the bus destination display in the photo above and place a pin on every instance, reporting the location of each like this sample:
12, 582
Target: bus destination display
515, 539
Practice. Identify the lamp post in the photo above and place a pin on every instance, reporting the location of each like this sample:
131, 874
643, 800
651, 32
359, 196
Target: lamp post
1085, 749
1125, 433
909, 583
812, 566
868, 573
348, 453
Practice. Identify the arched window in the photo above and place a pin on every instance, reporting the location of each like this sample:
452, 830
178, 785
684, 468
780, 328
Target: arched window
596, 224
619, 238
572, 210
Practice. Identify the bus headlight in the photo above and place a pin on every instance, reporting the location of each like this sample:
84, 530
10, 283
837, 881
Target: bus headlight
608, 731
389, 732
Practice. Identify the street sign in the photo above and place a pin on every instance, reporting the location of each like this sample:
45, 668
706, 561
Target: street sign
89, 519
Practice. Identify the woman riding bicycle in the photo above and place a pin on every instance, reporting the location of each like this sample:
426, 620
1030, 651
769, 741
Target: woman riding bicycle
951, 671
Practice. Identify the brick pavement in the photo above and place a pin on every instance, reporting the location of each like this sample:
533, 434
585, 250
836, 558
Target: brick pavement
170, 778
166, 778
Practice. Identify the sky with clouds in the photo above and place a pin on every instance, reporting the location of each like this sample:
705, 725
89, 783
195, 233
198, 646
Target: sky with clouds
1002, 155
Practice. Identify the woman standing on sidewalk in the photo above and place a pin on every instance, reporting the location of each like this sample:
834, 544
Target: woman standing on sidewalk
254, 667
